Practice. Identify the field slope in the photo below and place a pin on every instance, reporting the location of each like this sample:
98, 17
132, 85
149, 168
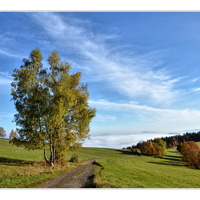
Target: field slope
20, 168
115, 168
122, 169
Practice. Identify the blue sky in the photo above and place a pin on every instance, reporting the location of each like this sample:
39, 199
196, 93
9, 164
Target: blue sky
142, 68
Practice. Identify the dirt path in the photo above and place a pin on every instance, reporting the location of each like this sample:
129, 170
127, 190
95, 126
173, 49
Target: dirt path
80, 177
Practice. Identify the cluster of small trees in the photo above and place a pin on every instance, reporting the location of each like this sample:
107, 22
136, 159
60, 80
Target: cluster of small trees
191, 153
186, 145
156, 147
13, 134
173, 141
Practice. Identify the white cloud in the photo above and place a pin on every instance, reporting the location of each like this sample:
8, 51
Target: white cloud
9, 53
196, 89
157, 114
3, 115
5, 78
5, 83
131, 75
105, 118
5, 42
194, 80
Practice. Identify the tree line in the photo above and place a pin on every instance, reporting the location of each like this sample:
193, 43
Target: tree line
172, 141
186, 145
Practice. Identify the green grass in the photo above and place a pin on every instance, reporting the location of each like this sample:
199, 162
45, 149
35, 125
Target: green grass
114, 169
122, 169
20, 168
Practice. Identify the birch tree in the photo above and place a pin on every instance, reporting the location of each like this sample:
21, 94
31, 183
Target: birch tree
52, 107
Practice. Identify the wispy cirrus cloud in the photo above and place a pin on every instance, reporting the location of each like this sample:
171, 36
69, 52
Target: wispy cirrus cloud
7, 115
130, 75
5, 83
194, 80
6, 46
157, 114
105, 117
196, 89
9, 53
5, 78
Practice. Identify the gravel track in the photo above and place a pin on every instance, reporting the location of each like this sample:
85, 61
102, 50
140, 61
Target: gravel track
80, 177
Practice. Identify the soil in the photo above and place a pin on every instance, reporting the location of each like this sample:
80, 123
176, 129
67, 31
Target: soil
80, 177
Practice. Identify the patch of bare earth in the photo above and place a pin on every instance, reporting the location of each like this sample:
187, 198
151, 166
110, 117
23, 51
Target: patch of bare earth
80, 177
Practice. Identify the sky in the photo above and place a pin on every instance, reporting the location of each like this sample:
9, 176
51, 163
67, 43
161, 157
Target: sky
142, 68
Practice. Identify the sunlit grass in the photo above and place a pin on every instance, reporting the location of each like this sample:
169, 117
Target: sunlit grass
20, 168
122, 169
114, 168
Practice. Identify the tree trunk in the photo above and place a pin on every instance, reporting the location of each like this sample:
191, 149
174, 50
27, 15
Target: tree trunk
45, 157
51, 160
52, 155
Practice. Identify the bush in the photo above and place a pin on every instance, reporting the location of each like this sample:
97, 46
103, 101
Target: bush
192, 158
150, 148
191, 153
74, 158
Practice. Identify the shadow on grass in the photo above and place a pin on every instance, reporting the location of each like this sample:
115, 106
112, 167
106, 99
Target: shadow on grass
170, 156
14, 162
167, 163
170, 160
129, 152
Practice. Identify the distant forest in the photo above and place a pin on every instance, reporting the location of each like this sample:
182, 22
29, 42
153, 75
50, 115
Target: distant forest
172, 141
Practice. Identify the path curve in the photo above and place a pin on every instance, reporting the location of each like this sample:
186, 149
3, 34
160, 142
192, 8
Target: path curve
80, 177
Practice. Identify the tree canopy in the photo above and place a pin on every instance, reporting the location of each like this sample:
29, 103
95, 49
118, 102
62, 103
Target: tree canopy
52, 106
191, 153
2, 132
13, 134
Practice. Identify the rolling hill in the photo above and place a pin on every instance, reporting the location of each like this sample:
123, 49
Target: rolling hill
115, 168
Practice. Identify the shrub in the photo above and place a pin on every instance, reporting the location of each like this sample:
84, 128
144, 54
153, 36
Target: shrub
191, 153
74, 158
151, 148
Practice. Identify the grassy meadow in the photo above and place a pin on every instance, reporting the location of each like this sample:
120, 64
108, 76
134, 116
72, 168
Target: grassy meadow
20, 168
115, 168
122, 169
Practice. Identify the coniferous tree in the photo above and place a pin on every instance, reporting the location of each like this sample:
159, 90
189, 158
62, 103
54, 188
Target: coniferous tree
52, 105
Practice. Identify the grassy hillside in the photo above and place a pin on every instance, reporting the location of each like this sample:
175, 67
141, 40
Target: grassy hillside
115, 169
20, 168
122, 169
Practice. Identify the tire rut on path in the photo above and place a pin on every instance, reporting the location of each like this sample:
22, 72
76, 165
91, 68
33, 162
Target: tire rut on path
80, 177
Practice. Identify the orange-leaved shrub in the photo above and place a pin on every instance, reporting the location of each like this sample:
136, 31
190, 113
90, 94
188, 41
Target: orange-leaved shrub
156, 147
191, 153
